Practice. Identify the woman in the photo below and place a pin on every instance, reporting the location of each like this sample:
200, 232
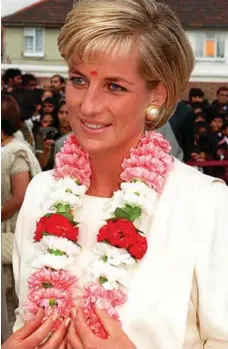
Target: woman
129, 61
63, 119
19, 166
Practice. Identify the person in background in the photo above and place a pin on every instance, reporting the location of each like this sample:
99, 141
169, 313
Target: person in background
200, 117
196, 95
197, 107
220, 105
64, 126
58, 84
45, 134
183, 123
12, 79
29, 81
47, 94
49, 105
201, 145
18, 166
63, 119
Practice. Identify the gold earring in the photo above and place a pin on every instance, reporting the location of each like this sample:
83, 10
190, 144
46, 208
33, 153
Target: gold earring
152, 113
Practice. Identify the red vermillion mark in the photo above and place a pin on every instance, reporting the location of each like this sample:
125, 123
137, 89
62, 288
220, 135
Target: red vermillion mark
93, 73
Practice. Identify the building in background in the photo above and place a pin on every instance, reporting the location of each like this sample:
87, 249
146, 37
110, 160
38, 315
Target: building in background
30, 39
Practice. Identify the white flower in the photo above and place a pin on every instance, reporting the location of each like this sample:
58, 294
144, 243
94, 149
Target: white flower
65, 191
139, 188
113, 255
52, 261
58, 243
139, 194
115, 201
69, 184
111, 273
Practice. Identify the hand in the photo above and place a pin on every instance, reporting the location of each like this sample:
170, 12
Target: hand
31, 335
81, 337
48, 144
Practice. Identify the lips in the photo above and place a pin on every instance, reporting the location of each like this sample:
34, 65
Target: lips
94, 126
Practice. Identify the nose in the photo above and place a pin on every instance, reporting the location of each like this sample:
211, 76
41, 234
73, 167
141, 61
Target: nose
93, 102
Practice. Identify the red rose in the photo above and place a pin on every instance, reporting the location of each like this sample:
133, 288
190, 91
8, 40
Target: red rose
57, 225
119, 233
40, 228
139, 249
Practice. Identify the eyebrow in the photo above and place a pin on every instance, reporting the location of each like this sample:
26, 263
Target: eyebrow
110, 78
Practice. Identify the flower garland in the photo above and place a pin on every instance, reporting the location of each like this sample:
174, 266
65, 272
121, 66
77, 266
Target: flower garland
120, 244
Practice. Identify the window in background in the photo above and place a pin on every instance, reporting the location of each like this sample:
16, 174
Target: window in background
210, 46
34, 42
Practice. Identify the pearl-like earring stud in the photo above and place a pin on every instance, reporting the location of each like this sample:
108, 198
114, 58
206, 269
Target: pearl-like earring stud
152, 113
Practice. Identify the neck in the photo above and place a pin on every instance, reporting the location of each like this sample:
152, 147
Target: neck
106, 169
6, 140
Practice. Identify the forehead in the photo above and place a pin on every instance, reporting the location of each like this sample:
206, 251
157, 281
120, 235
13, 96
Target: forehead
106, 63
55, 79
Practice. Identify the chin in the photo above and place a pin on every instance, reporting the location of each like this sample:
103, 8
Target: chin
93, 146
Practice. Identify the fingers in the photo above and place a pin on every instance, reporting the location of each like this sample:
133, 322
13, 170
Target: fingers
57, 340
73, 339
40, 334
30, 327
64, 344
111, 326
82, 329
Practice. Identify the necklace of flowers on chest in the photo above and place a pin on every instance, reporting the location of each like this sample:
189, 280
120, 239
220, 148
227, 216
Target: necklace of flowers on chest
120, 244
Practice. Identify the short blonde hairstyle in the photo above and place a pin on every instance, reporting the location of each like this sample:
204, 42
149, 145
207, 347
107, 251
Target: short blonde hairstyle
165, 54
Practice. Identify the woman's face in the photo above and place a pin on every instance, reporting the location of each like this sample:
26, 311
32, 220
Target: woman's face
47, 121
63, 115
107, 101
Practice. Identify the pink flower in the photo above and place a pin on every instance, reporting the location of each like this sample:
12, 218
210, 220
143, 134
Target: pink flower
44, 278
109, 300
52, 301
149, 162
73, 161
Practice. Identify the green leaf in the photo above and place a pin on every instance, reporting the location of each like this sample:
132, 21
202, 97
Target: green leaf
56, 252
102, 280
104, 258
48, 215
128, 212
47, 285
53, 302
121, 213
68, 216
62, 208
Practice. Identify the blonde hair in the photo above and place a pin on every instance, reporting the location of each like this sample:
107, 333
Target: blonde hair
114, 26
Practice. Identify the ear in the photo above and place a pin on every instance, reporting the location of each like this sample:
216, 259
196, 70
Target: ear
159, 95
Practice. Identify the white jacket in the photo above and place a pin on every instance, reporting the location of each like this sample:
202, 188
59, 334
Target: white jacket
179, 296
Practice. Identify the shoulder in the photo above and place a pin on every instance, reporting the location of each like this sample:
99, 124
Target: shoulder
38, 188
188, 185
196, 195
60, 142
189, 177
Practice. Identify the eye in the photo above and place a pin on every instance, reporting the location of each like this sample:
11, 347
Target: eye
116, 88
77, 80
